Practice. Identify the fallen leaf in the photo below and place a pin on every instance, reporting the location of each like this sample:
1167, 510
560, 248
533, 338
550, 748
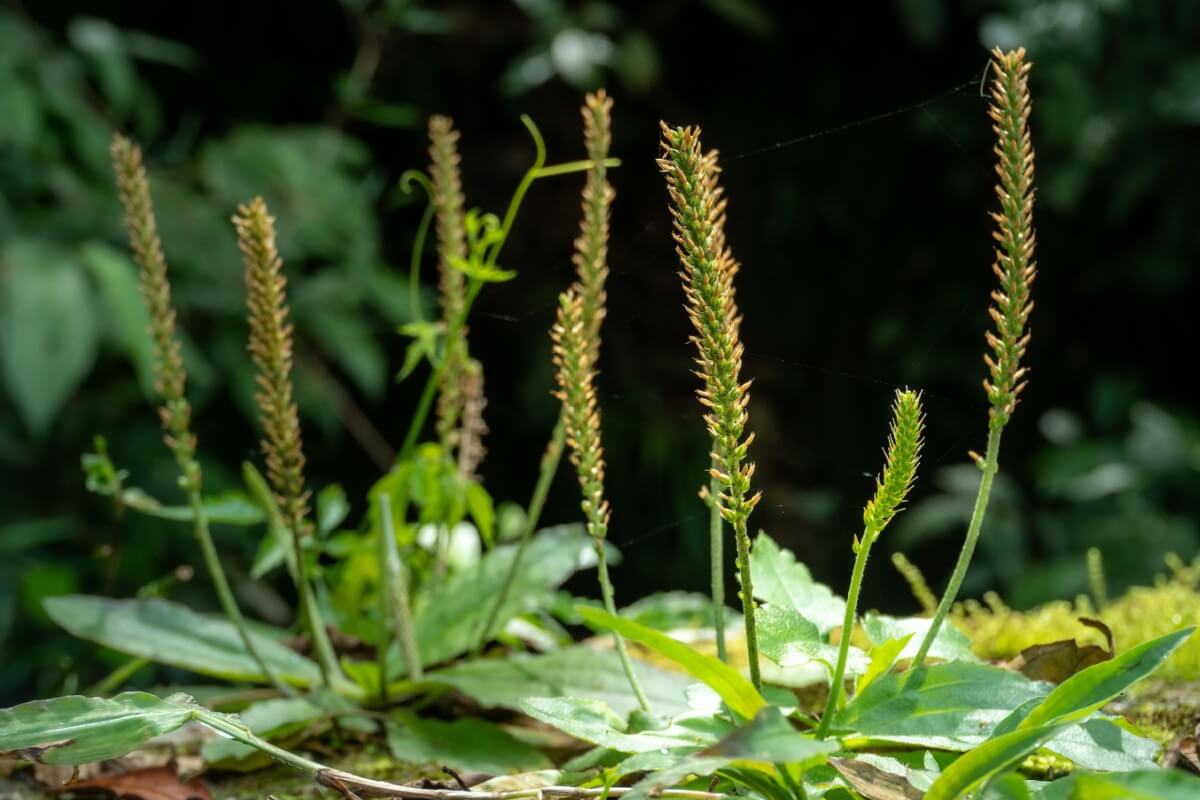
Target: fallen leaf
154, 783
1057, 661
873, 783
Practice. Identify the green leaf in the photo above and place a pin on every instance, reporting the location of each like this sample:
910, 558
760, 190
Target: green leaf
666, 611
781, 581
1104, 744
48, 329
78, 730
593, 721
735, 689
332, 508
268, 719
951, 644
449, 622
469, 745
951, 706
1146, 784
1009, 786
578, 672
882, 656
1090, 689
479, 504
989, 758
173, 634
227, 508
790, 640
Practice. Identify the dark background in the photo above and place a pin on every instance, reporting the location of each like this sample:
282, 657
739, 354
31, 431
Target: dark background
857, 158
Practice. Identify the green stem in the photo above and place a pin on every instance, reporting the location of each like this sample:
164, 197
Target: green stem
568, 167
716, 532
117, 677
553, 454
839, 671
990, 466
216, 572
743, 563
610, 605
395, 588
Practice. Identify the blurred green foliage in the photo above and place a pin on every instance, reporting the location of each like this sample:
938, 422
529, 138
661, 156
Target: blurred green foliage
321, 111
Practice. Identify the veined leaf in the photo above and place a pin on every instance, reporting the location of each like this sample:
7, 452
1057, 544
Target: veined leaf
987, 759
782, 581
1104, 744
951, 644
735, 689
578, 672
268, 719
950, 706
469, 745
78, 730
1087, 691
593, 721
172, 634
1146, 784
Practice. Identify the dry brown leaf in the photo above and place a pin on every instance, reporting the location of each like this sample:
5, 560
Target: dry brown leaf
153, 783
873, 783
1057, 661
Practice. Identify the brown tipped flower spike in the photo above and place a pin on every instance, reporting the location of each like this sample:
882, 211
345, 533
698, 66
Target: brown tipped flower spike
591, 246
271, 348
169, 376
1014, 264
698, 209
448, 203
575, 362
1011, 306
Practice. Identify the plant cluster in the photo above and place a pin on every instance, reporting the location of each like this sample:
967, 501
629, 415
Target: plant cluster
424, 602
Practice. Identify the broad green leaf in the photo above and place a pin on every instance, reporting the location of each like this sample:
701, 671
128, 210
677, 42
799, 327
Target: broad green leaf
771, 738
1104, 744
594, 722
268, 719
951, 644
1146, 784
479, 504
466, 744
666, 611
332, 508
173, 634
1009, 786
790, 640
988, 759
735, 689
78, 730
449, 622
881, 657
48, 329
1087, 691
950, 706
780, 580
578, 672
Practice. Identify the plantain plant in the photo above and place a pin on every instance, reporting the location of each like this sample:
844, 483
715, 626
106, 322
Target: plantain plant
909, 712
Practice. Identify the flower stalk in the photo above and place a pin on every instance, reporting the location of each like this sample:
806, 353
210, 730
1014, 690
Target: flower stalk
270, 347
708, 270
899, 472
1015, 268
575, 362
170, 378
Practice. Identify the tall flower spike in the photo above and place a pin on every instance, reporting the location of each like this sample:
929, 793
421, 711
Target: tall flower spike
448, 203
575, 362
698, 209
170, 378
591, 246
271, 348
1014, 264
470, 446
900, 469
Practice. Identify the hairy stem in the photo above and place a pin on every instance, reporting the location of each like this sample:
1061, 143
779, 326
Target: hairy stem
610, 606
229, 605
743, 559
395, 590
550, 459
839, 670
990, 467
716, 532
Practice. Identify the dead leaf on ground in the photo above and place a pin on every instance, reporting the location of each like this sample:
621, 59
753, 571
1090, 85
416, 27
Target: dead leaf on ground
874, 783
154, 783
1057, 661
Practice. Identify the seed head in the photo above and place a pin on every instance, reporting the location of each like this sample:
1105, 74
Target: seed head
591, 246
903, 456
271, 349
1014, 264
